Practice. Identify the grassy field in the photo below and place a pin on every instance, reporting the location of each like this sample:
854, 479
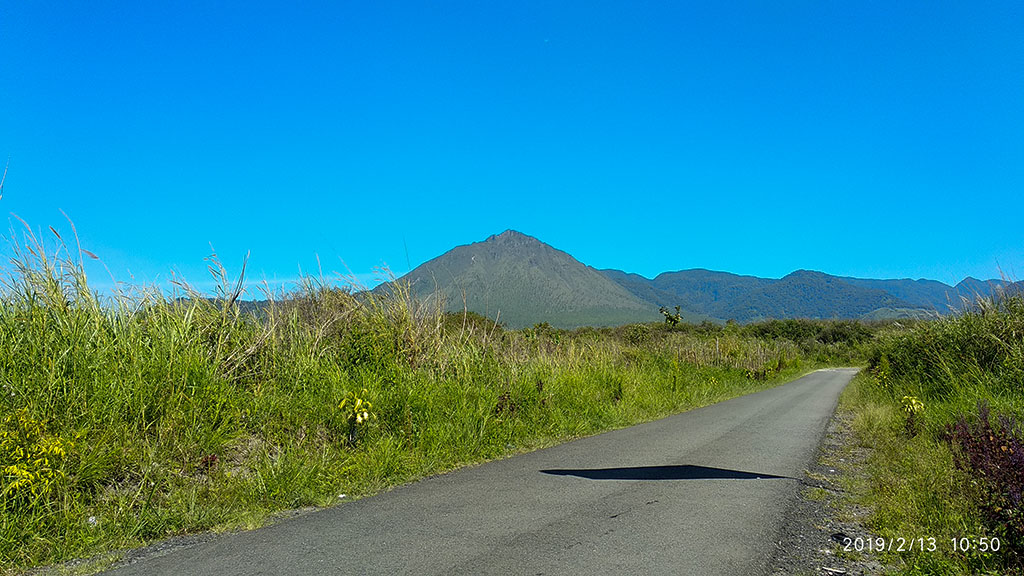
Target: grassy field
128, 421
940, 408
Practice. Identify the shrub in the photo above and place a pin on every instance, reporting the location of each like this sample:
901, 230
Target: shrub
638, 334
912, 410
670, 318
994, 454
357, 412
30, 460
985, 342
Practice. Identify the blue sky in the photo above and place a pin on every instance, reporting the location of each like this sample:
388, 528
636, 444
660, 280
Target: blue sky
874, 139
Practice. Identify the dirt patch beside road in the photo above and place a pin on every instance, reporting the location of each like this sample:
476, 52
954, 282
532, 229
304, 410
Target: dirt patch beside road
824, 516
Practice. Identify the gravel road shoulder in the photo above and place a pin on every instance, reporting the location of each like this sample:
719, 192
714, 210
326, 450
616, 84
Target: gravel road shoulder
823, 516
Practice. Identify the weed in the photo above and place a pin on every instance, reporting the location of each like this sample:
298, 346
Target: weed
816, 494
32, 460
912, 410
357, 413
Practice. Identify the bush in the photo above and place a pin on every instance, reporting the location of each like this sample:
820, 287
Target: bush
983, 345
994, 454
30, 461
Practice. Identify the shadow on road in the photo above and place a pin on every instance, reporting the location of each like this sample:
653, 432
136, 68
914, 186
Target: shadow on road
682, 472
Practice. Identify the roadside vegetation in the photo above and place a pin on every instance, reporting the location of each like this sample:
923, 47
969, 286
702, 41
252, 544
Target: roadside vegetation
940, 407
130, 419
127, 420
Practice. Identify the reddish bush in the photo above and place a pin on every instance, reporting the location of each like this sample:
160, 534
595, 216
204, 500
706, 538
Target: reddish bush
994, 454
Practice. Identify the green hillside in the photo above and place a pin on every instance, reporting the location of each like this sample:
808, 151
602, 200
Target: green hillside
646, 290
723, 296
882, 314
926, 294
521, 281
809, 294
717, 294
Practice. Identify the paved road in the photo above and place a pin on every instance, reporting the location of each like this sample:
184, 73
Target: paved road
701, 493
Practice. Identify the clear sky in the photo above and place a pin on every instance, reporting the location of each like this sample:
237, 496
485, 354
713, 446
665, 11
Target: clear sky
874, 139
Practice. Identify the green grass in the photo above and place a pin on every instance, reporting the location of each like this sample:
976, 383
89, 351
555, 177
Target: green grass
178, 415
912, 487
912, 482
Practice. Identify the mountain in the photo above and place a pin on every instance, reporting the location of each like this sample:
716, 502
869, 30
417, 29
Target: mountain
809, 294
937, 296
971, 288
720, 295
523, 281
805, 294
926, 294
712, 293
649, 291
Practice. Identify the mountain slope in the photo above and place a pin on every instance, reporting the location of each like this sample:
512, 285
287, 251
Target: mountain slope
972, 288
647, 291
720, 295
926, 294
522, 281
710, 292
809, 294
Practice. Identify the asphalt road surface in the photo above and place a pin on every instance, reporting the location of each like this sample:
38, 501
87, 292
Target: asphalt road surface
704, 492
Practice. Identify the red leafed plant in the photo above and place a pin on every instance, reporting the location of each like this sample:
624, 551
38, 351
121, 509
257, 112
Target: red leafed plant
994, 454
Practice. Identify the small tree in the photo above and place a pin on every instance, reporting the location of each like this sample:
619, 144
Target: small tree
670, 318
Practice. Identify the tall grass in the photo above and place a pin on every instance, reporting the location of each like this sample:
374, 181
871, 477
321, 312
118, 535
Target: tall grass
948, 471
146, 415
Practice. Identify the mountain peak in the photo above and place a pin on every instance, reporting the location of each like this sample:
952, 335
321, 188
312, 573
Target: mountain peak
804, 274
510, 234
512, 238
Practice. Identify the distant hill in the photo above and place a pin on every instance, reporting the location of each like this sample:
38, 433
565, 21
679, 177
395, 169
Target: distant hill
524, 281
658, 294
935, 295
720, 295
925, 294
808, 294
971, 288
708, 292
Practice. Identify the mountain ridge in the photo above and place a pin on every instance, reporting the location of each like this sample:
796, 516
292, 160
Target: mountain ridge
522, 281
